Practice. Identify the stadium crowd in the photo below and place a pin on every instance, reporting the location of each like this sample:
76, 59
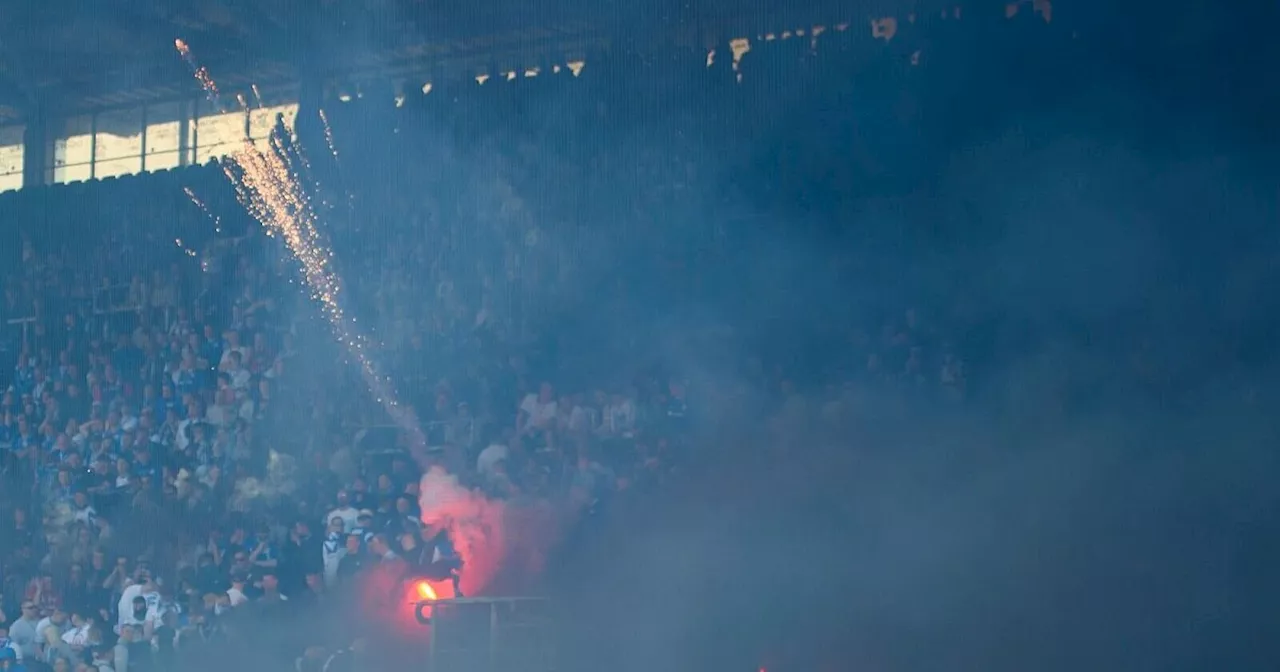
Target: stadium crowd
182, 455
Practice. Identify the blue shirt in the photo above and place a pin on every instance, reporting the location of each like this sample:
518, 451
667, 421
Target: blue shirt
185, 381
268, 553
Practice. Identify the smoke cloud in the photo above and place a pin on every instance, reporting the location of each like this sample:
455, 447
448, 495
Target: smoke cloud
475, 525
503, 545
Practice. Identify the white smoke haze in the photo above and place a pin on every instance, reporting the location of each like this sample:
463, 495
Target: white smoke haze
1016, 531
281, 480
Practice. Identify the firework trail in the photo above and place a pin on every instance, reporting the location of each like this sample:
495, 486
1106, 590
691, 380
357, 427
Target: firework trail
333, 151
328, 134
183, 246
200, 73
486, 533
268, 187
195, 200
271, 189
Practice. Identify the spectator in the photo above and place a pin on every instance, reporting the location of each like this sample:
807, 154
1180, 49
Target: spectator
353, 560
56, 650
161, 403
77, 636
23, 634
9, 661
57, 618
138, 599
125, 649
235, 594
344, 512
537, 412
7, 645
263, 553
303, 555
270, 596
136, 616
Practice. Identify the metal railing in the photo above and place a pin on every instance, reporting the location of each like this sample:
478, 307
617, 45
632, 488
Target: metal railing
24, 323
490, 634
438, 432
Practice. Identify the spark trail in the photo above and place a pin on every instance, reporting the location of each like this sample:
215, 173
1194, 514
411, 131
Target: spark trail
274, 191
328, 135
217, 221
200, 73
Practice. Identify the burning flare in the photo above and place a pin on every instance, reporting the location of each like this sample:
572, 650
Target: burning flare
502, 545
474, 523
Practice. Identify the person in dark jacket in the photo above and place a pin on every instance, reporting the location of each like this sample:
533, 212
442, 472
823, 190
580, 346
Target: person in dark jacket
353, 562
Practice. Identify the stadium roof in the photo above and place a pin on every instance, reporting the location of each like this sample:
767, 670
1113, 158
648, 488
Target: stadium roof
65, 56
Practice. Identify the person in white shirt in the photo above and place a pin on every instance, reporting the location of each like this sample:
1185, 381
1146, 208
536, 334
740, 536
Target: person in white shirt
619, 418
57, 619
345, 511
537, 411
163, 606
143, 589
136, 616
490, 456
333, 550
236, 592
233, 367
77, 636
231, 339
83, 511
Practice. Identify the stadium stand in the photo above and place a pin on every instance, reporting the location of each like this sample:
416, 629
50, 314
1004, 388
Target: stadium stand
171, 458
554, 274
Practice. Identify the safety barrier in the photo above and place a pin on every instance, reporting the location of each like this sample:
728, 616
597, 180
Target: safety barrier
440, 432
490, 634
